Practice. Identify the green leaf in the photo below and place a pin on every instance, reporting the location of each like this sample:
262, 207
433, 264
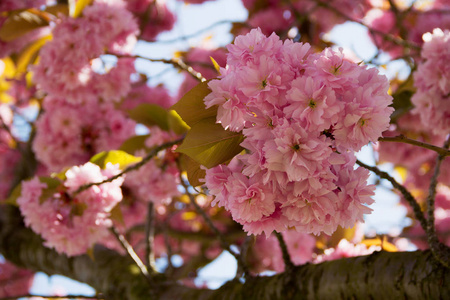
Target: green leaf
78, 209
134, 144
53, 184
193, 170
150, 115
58, 9
115, 157
22, 22
191, 107
30, 53
209, 144
76, 8
176, 123
216, 65
16, 192
116, 215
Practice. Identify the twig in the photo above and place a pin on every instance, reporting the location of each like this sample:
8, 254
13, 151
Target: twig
136, 166
403, 139
225, 245
177, 63
439, 252
126, 245
387, 36
192, 35
410, 198
150, 236
289, 266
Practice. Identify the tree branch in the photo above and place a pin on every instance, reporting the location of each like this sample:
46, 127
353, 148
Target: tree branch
408, 197
136, 166
403, 139
440, 251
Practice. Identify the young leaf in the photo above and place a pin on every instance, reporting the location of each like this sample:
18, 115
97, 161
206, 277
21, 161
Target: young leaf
176, 123
209, 144
20, 23
52, 187
216, 65
116, 215
115, 157
77, 8
150, 115
16, 192
29, 54
134, 144
193, 170
191, 107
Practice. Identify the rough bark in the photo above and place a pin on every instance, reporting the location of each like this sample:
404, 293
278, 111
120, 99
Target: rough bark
382, 275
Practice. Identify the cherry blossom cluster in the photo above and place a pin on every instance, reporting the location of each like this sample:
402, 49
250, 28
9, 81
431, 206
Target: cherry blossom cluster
65, 68
415, 21
302, 115
278, 15
266, 252
72, 223
13, 280
432, 80
68, 134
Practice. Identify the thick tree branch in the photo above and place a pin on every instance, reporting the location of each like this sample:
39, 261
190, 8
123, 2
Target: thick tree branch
440, 251
382, 275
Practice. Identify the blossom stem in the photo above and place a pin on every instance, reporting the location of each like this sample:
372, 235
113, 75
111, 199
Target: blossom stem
225, 245
127, 246
177, 63
286, 257
387, 36
403, 139
136, 166
440, 252
410, 198
150, 236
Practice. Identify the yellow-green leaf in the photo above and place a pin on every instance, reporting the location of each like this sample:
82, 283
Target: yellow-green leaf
21, 22
191, 107
216, 65
115, 157
193, 170
77, 6
29, 54
16, 192
209, 144
150, 115
116, 215
58, 9
134, 144
53, 185
176, 123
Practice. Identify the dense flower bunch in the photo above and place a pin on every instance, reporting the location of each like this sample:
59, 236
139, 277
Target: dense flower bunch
157, 181
415, 21
13, 280
65, 68
279, 16
72, 223
302, 115
68, 134
432, 80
